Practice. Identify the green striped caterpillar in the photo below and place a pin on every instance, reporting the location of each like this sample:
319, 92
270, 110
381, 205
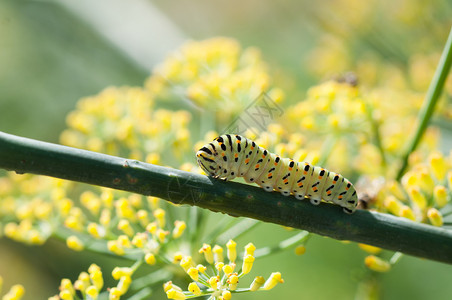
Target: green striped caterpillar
229, 156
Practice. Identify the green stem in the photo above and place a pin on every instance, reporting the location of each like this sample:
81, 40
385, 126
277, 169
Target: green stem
431, 98
24, 155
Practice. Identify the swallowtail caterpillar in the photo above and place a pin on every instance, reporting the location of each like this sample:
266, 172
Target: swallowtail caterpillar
229, 156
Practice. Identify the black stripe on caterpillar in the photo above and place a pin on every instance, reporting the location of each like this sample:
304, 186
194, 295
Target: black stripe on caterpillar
229, 156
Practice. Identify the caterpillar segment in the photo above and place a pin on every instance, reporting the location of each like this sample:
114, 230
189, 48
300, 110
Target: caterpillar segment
230, 156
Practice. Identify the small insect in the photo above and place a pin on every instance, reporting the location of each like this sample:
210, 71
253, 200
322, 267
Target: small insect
229, 156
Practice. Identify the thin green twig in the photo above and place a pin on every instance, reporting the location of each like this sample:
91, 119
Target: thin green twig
431, 98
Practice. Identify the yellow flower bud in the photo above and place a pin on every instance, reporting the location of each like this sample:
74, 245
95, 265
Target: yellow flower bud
194, 289
139, 240
393, 205
232, 281
440, 195
435, 217
114, 247
232, 252
64, 294
300, 250
201, 268
226, 295
169, 285
438, 165
143, 218
370, 249
95, 230
218, 253
159, 214
118, 272
274, 279
124, 284
175, 294
257, 283
92, 292
96, 279
193, 273
247, 264
115, 294
249, 249
377, 264
228, 269
186, 263
105, 217
417, 197
124, 226
74, 243
407, 212
213, 281
15, 293
219, 266
65, 284
123, 241
179, 227
207, 250
150, 259
151, 228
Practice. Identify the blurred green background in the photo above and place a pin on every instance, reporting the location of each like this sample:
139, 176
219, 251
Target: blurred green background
54, 52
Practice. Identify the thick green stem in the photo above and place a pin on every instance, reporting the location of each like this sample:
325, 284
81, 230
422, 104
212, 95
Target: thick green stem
431, 98
398, 234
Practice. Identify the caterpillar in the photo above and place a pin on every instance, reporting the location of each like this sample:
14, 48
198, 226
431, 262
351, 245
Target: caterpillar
230, 156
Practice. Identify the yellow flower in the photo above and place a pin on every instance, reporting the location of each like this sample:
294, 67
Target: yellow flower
377, 264
370, 249
208, 254
274, 279
257, 283
247, 263
150, 259
435, 217
74, 243
194, 289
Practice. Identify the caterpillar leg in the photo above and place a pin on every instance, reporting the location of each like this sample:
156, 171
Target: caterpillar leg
268, 188
315, 201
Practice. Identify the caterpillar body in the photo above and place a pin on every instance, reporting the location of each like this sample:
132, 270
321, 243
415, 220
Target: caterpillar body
229, 156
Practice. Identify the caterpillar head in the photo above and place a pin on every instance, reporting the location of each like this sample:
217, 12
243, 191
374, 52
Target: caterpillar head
208, 161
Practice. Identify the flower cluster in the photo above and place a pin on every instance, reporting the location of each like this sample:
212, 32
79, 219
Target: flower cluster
219, 278
424, 191
215, 75
124, 121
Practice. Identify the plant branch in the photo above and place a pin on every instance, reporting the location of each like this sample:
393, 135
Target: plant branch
398, 234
